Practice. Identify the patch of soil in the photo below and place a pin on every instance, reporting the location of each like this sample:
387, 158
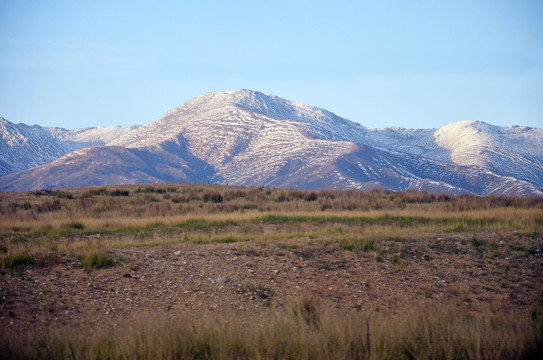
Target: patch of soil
246, 277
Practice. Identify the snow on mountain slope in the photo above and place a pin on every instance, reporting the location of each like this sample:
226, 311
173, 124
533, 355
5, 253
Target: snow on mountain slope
418, 142
226, 131
401, 171
462, 136
323, 124
507, 151
99, 135
247, 109
23, 146
244, 137
106, 165
293, 154
510, 151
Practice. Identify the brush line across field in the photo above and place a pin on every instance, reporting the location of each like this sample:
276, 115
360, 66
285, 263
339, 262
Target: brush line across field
67, 220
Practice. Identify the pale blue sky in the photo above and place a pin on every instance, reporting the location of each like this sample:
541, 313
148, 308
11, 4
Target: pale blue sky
415, 64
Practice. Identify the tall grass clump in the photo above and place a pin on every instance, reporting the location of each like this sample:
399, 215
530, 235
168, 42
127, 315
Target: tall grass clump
95, 260
357, 244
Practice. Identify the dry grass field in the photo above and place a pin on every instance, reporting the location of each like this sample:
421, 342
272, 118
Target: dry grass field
189, 271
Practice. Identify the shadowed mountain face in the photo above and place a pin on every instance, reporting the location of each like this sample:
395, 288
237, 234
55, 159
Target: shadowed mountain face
244, 137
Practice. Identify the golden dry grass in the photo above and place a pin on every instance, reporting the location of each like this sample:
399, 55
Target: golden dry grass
83, 224
301, 330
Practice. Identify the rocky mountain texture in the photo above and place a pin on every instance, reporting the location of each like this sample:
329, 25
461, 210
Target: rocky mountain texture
244, 137
23, 146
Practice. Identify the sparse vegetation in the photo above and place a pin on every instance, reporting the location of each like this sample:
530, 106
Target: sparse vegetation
325, 234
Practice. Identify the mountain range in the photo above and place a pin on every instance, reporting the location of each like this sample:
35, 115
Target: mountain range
23, 146
244, 137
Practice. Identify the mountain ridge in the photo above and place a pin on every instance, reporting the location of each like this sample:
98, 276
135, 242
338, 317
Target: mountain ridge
243, 137
24, 146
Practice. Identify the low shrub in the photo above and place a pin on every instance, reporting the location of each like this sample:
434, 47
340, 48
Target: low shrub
214, 197
120, 193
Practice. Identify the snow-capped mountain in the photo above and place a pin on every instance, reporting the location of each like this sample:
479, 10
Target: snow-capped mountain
244, 137
23, 146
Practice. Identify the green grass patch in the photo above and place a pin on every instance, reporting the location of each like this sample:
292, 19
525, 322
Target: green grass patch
95, 260
527, 250
454, 224
303, 224
288, 247
216, 239
203, 224
357, 244
475, 242
75, 225
397, 259
19, 261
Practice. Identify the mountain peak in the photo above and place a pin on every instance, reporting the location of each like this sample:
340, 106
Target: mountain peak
269, 105
243, 112
245, 137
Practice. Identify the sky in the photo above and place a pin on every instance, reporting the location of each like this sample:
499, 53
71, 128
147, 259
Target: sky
413, 64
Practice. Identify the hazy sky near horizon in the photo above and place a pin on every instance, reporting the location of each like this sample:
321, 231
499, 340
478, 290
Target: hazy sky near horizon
417, 64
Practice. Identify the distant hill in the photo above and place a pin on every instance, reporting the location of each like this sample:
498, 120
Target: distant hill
23, 146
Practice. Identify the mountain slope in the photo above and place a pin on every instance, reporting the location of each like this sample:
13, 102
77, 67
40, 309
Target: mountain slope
512, 151
23, 146
112, 165
244, 137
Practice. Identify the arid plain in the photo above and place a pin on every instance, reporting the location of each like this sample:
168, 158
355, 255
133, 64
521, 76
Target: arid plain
207, 271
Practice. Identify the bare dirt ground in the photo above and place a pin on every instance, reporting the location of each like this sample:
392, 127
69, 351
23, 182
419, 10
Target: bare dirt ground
246, 277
